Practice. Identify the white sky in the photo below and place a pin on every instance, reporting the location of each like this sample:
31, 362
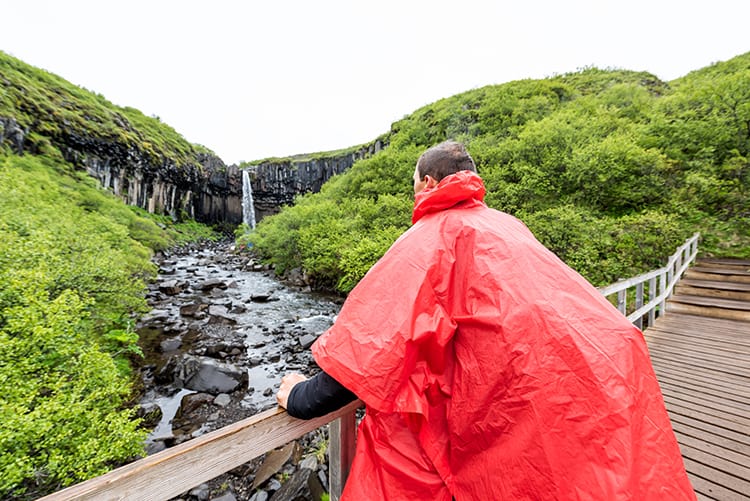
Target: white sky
252, 79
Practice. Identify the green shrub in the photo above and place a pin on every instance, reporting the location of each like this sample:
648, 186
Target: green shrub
611, 169
72, 281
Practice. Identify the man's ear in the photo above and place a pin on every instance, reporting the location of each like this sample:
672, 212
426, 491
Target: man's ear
430, 182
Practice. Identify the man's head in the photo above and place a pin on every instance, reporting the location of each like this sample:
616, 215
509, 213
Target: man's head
440, 161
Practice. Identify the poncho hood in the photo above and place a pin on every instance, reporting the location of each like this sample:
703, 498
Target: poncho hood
461, 187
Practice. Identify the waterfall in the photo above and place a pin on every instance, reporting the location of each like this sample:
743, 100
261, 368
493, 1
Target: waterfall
248, 211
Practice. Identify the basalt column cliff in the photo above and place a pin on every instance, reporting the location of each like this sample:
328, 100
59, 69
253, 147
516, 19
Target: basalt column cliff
276, 183
201, 187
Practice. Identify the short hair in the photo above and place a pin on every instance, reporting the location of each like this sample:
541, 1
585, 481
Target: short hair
445, 159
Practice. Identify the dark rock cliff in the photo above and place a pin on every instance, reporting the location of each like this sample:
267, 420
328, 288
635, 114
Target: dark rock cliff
276, 183
205, 189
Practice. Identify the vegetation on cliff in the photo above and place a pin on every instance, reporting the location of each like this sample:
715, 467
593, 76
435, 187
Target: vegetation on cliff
610, 169
54, 111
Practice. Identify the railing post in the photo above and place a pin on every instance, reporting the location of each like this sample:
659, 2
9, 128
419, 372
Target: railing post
651, 296
622, 301
342, 435
662, 289
638, 303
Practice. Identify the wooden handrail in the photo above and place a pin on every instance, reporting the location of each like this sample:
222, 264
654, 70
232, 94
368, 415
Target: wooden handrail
173, 471
668, 277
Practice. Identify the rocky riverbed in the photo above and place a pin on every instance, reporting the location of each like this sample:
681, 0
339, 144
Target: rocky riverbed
222, 332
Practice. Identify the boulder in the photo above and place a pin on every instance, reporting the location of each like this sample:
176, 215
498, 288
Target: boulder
219, 314
304, 484
212, 283
170, 287
205, 374
192, 309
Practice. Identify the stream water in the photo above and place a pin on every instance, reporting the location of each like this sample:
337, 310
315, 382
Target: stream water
211, 303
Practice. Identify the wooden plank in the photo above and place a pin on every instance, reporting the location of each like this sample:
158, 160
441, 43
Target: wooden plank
716, 302
742, 264
713, 469
741, 440
716, 337
699, 345
722, 363
698, 323
707, 386
702, 360
173, 471
735, 398
683, 289
701, 320
699, 413
731, 463
716, 284
716, 404
737, 354
696, 369
713, 443
703, 479
725, 271
711, 274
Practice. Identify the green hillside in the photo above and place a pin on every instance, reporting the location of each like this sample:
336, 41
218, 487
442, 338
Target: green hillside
74, 262
611, 169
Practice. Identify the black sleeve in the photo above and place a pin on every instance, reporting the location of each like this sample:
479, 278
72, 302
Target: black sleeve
317, 396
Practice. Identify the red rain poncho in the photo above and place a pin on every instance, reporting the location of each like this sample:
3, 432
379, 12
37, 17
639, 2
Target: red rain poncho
490, 370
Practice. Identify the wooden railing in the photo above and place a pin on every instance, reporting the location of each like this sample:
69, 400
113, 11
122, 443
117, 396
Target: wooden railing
173, 471
657, 293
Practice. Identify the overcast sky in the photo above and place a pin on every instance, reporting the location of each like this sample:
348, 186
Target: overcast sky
253, 79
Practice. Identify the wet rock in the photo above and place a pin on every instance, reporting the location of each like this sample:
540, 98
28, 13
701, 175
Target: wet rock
171, 344
166, 270
170, 287
227, 496
260, 496
190, 416
212, 283
223, 350
156, 316
208, 375
154, 447
307, 340
273, 485
201, 492
166, 375
192, 309
238, 309
304, 484
190, 403
150, 414
219, 314
222, 400
260, 298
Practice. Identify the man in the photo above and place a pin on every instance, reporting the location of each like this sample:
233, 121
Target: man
490, 370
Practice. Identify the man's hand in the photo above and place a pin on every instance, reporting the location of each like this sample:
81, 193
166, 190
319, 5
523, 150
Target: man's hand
287, 383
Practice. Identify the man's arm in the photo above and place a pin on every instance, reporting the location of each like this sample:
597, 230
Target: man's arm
310, 398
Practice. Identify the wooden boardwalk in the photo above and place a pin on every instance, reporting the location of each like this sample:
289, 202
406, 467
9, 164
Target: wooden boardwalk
703, 366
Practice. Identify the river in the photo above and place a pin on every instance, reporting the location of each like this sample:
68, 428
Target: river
218, 319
